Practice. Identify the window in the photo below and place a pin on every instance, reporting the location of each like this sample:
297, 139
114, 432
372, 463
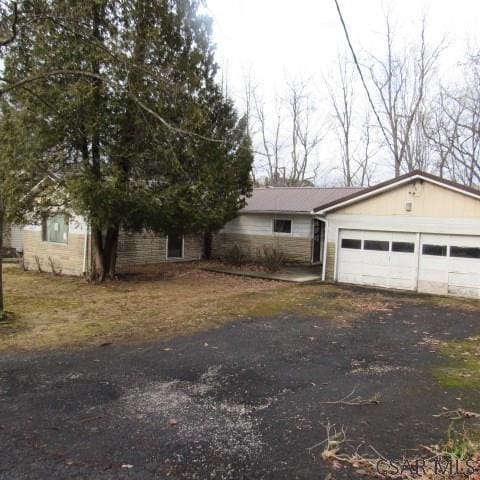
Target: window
55, 229
351, 243
436, 250
282, 226
405, 247
174, 246
465, 252
379, 245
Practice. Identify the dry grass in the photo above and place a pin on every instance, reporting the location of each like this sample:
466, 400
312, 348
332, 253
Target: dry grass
161, 302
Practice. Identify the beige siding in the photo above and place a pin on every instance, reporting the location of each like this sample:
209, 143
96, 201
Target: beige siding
67, 257
330, 267
295, 248
147, 248
427, 200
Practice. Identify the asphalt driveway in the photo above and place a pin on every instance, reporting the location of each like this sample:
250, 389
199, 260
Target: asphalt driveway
245, 400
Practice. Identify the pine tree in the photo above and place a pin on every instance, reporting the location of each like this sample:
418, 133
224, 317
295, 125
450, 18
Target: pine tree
120, 99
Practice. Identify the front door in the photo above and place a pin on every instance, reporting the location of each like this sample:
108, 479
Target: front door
317, 241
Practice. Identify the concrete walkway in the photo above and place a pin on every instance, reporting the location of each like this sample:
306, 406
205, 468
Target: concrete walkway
288, 274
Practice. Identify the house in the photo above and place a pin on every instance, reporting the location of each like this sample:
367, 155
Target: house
417, 232
63, 243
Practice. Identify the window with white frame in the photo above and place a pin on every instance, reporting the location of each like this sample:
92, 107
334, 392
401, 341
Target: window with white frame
55, 228
282, 225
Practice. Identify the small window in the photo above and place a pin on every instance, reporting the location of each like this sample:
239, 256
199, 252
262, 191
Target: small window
351, 243
465, 252
282, 226
174, 246
55, 229
436, 250
405, 247
378, 245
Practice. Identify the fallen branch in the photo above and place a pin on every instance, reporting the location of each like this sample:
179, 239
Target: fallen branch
457, 414
355, 401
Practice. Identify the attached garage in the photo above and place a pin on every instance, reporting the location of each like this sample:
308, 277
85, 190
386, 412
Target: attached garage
417, 232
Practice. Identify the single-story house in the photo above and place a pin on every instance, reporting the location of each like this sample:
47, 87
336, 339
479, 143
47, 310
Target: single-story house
416, 232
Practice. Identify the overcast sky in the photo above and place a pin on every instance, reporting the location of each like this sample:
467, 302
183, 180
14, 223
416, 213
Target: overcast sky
275, 39
302, 37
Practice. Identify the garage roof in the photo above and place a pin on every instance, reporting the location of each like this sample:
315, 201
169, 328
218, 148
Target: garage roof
294, 199
394, 182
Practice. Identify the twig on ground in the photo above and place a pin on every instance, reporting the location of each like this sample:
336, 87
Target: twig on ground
350, 400
457, 414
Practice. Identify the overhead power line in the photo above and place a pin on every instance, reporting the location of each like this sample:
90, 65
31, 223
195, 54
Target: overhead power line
359, 69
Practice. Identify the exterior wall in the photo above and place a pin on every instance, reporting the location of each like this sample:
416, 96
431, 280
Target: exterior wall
330, 263
427, 199
136, 249
253, 232
67, 257
434, 210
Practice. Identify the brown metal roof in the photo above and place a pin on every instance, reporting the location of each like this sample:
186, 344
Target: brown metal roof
380, 186
294, 199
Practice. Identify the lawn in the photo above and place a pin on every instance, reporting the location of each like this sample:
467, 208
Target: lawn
55, 311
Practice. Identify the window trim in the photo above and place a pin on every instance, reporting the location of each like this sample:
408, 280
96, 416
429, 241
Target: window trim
402, 242
43, 229
445, 247
461, 256
282, 219
352, 239
183, 249
376, 249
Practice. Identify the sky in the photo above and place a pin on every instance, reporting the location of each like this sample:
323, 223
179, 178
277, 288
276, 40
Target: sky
278, 39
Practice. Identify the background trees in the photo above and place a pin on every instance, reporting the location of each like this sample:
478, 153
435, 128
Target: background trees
421, 115
121, 102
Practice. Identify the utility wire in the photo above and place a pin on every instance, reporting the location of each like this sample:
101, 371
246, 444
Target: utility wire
357, 64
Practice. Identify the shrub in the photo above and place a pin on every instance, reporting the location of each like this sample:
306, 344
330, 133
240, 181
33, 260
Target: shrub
235, 256
271, 258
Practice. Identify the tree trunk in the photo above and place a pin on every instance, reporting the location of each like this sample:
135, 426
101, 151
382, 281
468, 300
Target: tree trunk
2, 312
105, 247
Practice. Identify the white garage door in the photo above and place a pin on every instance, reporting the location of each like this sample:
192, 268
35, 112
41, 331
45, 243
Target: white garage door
441, 264
450, 264
382, 259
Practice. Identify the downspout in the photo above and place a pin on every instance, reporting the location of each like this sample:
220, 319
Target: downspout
325, 238
85, 249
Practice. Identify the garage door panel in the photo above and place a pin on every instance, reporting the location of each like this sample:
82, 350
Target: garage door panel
437, 269
450, 274
460, 291
377, 267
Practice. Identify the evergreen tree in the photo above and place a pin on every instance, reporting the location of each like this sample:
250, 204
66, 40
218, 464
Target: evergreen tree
120, 101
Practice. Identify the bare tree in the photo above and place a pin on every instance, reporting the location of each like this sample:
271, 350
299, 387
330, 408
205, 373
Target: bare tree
400, 80
454, 130
305, 138
355, 141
